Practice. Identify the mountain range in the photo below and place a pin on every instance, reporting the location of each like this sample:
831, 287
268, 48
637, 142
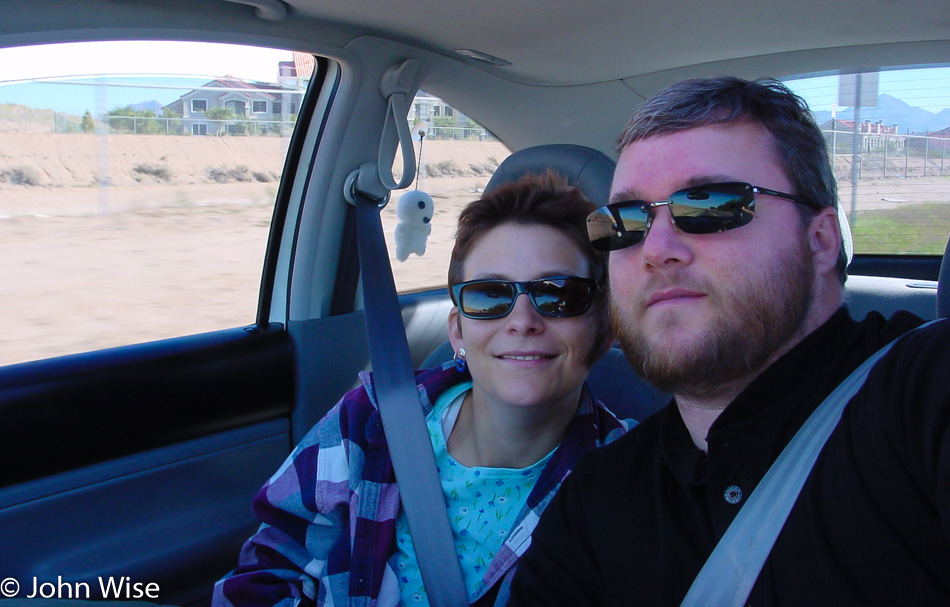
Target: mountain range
891, 110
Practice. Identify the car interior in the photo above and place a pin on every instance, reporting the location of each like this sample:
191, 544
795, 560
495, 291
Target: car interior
140, 459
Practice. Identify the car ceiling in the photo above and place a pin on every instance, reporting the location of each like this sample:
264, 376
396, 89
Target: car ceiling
565, 42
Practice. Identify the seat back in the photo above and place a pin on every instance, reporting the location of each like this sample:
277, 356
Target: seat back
589, 169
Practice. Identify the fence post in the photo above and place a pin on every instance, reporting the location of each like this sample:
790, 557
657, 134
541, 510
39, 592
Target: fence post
907, 156
926, 153
884, 168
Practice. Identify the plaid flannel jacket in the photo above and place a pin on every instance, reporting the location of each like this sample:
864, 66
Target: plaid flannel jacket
328, 515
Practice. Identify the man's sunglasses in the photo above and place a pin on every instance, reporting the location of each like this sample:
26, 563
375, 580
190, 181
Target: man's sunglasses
703, 209
556, 297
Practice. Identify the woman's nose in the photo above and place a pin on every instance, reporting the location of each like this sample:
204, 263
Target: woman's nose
523, 317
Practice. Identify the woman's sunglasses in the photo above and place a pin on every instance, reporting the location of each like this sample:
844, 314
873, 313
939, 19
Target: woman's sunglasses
703, 209
556, 297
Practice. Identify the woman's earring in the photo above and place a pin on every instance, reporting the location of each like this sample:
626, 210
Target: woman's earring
460, 363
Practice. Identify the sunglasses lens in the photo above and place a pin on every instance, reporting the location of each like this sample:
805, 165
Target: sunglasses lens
604, 233
700, 210
561, 296
712, 209
486, 299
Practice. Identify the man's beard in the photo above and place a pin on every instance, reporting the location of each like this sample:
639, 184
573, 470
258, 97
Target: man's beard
754, 317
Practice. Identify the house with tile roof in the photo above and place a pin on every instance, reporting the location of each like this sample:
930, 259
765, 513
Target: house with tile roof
258, 105
873, 136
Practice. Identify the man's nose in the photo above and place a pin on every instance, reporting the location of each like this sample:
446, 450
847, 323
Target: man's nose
664, 243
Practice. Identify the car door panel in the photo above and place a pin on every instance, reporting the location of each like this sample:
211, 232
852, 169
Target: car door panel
94, 407
174, 516
142, 461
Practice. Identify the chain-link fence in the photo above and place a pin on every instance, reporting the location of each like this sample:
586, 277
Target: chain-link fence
141, 125
885, 155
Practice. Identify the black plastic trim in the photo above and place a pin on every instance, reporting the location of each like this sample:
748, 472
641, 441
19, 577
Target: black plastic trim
64, 413
291, 161
919, 267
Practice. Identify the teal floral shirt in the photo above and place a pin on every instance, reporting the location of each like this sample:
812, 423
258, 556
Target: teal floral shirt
483, 505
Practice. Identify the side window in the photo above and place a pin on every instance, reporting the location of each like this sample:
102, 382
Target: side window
456, 158
889, 134
136, 207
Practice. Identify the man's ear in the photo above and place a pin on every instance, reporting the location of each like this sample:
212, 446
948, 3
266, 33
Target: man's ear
455, 328
824, 241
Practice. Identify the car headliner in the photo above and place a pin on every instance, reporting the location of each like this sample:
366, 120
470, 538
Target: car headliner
565, 42
579, 68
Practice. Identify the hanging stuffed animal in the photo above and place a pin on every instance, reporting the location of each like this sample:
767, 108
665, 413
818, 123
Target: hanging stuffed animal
414, 212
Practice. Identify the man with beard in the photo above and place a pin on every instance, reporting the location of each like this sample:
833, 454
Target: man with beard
726, 272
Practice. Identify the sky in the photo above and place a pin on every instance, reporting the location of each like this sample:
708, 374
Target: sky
183, 64
925, 88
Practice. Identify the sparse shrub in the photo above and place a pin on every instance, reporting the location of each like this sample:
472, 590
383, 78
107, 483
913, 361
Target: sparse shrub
240, 173
21, 176
448, 168
262, 177
218, 174
88, 124
162, 172
227, 175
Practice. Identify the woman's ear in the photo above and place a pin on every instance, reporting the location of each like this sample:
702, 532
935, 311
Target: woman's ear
455, 328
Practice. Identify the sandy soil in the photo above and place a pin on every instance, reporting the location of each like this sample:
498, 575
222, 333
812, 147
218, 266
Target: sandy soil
85, 267
167, 251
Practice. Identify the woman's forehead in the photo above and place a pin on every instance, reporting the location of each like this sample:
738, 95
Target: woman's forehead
524, 252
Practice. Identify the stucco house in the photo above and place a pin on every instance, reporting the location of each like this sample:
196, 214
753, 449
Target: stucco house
873, 136
263, 102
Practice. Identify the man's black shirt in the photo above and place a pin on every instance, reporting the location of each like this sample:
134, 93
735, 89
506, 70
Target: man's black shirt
637, 519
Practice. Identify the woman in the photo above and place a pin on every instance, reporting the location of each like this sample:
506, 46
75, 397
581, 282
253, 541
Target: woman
508, 419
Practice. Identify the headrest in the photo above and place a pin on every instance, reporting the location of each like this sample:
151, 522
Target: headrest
589, 169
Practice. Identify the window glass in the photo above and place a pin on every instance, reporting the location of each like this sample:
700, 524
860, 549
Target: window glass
134, 206
890, 154
456, 157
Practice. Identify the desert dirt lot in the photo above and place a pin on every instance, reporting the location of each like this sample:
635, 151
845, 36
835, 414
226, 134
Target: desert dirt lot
175, 244
84, 268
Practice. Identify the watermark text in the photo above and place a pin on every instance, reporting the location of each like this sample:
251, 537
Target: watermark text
112, 587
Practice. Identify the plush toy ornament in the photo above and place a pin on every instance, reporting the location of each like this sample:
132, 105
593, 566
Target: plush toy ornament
414, 212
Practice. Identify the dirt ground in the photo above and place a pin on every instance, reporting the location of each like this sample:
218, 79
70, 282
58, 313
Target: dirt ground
84, 267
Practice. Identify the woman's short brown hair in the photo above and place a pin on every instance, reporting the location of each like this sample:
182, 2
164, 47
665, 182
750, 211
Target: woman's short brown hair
534, 199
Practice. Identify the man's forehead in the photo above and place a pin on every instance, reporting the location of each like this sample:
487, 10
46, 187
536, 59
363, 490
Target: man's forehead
656, 166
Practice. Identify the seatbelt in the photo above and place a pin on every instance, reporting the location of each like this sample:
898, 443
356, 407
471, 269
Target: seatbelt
729, 573
397, 394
